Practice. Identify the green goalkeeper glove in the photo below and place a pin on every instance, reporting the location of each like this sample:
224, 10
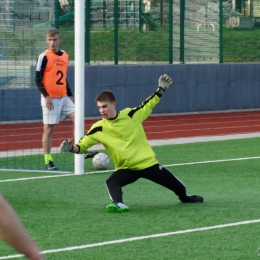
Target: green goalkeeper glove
164, 83
66, 146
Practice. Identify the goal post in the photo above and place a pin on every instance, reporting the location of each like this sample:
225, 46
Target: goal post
79, 80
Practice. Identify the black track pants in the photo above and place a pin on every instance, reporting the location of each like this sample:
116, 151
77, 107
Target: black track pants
156, 173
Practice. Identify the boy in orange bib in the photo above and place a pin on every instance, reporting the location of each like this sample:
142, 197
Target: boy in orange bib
56, 96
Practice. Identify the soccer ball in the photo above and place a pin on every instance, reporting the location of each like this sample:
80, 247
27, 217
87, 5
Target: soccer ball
101, 161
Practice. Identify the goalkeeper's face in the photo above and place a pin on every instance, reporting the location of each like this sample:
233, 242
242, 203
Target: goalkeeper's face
107, 109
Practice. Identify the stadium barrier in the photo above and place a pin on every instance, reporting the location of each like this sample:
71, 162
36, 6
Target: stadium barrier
196, 88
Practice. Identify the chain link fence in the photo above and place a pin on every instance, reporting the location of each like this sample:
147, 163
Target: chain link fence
155, 31
129, 32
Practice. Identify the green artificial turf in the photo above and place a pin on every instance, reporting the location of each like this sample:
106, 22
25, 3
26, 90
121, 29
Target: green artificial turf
69, 211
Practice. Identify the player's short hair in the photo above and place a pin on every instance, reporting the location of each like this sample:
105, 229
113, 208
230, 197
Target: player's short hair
106, 96
53, 32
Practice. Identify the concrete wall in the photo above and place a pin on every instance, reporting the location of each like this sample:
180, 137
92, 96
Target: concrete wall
196, 88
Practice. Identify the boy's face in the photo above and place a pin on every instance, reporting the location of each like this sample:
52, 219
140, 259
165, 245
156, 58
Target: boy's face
53, 42
107, 109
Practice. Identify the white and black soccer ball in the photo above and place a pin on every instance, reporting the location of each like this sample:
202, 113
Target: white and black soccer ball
101, 161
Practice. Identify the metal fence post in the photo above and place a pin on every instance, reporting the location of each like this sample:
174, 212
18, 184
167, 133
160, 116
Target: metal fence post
87, 31
116, 31
220, 31
56, 17
140, 16
170, 31
182, 16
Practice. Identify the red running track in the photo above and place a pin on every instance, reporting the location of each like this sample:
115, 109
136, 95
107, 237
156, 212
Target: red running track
28, 135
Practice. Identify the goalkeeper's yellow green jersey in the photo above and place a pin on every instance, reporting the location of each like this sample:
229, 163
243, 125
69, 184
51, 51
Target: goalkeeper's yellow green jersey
124, 137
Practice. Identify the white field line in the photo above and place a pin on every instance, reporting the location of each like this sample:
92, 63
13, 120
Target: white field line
119, 241
67, 174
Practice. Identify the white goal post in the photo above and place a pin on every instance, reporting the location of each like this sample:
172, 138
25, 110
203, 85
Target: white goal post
79, 80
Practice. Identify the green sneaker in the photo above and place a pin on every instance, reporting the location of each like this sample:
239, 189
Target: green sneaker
120, 207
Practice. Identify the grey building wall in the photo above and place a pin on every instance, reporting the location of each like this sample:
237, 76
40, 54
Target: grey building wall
196, 88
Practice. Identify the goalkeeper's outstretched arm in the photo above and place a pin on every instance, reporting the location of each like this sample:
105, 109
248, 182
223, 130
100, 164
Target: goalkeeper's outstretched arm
164, 83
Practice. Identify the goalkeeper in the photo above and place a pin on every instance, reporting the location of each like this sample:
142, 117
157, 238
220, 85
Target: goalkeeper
123, 136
